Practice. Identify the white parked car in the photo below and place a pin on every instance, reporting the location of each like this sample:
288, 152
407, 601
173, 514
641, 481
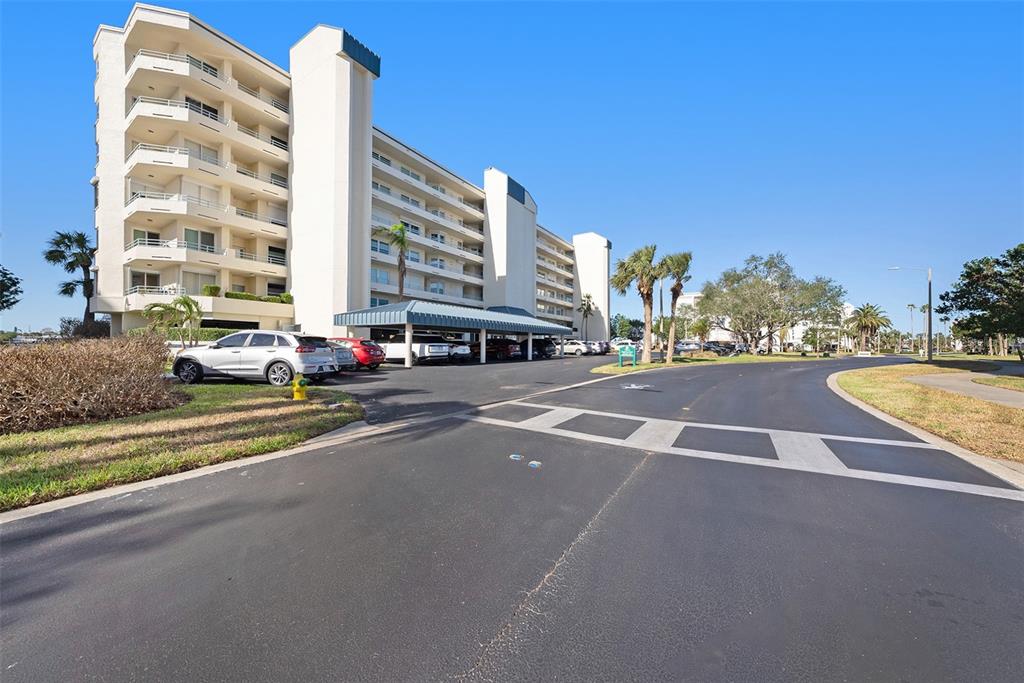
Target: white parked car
460, 351
576, 347
617, 343
266, 355
595, 347
424, 347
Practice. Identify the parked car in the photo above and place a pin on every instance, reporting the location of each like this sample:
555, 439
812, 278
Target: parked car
595, 347
498, 349
619, 342
425, 347
459, 351
368, 353
258, 354
686, 346
576, 347
343, 356
542, 348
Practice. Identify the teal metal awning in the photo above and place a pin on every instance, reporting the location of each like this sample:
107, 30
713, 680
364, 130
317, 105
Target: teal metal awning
435, 316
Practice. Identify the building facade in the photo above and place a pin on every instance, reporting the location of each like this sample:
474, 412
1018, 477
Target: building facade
266, 194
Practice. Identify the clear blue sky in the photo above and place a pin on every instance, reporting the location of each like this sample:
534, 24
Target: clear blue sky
850, 136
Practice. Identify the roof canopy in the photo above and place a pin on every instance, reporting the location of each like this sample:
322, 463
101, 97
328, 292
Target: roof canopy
450, 317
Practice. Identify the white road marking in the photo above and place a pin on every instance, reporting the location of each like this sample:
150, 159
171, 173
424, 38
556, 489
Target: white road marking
797, 451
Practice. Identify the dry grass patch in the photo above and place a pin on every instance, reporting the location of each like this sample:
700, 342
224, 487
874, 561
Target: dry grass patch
986, 428
1014, 383
221, 421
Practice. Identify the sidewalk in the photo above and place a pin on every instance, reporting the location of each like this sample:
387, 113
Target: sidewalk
963, 383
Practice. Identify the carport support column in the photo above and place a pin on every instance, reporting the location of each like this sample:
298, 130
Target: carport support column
561, 346
529, 346
483, 345
408, 345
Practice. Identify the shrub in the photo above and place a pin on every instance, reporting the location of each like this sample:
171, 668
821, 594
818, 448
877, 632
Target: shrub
211, 290
241, 295
271, 299
72, 382
287, 298
203, 334
73, 327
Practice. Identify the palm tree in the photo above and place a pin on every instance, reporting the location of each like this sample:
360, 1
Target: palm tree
398, 237
586, 309
73, 251
183, 314
639, 269
866, 321
677, 267
702, 328
911, 308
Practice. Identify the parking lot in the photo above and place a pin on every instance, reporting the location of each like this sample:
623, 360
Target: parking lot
393, 392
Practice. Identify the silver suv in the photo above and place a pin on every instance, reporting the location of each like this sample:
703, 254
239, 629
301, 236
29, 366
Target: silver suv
258, 354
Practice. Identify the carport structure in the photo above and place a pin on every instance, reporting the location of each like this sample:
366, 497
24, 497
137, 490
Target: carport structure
428, 315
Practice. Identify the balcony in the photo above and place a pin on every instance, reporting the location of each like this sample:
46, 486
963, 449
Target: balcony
203, 167
180, 251
413, 292
445, 247
137, 298
552, 282
193, 119
396, 174
151, 204
557, 253
555, 298
433, 270
554, 267
425, 214
183, 66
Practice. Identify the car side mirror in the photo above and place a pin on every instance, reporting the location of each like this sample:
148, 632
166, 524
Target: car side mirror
215, 345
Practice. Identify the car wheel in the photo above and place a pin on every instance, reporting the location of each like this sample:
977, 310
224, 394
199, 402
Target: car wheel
279, 374
579, 352
373, 366
190, 372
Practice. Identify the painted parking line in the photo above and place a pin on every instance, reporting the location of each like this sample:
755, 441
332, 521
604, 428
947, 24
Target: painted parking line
797, 451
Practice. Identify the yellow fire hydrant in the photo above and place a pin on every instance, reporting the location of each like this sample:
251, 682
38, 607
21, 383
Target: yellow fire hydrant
299, 385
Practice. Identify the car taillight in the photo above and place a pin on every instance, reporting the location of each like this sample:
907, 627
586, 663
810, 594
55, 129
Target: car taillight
305, 349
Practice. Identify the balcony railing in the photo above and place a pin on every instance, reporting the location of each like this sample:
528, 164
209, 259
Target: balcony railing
206, 203
436, 190
172, 290
210, 159
177, 104
273, 180
212, 71
281, 144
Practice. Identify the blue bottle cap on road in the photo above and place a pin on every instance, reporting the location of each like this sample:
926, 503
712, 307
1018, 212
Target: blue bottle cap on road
535, 464
516, 457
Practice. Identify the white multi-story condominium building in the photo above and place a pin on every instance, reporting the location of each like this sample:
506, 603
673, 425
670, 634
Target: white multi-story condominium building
265, 194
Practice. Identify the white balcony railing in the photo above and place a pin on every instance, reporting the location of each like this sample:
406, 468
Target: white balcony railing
210, 159
206, 203
276, 142
211, 71
172, 290
273, 180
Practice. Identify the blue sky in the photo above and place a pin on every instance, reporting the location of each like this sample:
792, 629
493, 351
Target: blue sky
850, 136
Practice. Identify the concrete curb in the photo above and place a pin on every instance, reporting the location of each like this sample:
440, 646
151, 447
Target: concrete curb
1010, 472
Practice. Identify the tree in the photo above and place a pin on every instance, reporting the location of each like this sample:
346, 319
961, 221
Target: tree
183, 315
990, 296
398, 237
823, 306
866, 321
677, 268
10, 289
73, 251
621, 326
586, 309
640, 270
701, 327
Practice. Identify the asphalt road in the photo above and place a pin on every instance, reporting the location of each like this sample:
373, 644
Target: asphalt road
428, 554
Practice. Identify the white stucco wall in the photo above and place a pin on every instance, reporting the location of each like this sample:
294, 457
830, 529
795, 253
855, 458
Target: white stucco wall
592, 271
510, 248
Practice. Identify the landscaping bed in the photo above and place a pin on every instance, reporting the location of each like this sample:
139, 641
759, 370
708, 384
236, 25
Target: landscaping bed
980, 426
220, 421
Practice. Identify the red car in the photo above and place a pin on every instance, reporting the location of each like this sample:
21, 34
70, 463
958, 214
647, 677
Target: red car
367, 352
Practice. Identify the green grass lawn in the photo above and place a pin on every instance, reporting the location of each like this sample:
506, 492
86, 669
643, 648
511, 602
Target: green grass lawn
710, 359
1013, 383
983, 427
221, 421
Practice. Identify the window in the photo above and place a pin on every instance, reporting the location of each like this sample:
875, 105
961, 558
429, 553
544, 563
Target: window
202, 108
414, 229
382, 159
384, 189
199, 240
237, 288
378, 301
413, 256
262, 339
380, 246
275, 288
409, 200
233, 340
145, 279
194, 282
276, 255
437, 262
437, 288
283, 341
200, 64
200, 151
437, 237
379, 276
145, 237
412, 174
278, 179
278, 142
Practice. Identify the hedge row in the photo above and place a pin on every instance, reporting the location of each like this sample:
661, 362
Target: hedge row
273, 299
201, 334
66, 383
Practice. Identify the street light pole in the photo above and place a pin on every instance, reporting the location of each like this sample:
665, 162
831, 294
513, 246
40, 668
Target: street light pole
929, 315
